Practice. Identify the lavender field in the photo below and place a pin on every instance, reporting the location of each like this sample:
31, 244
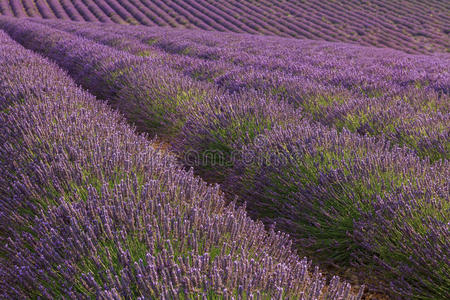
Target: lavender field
413, 26
224, 150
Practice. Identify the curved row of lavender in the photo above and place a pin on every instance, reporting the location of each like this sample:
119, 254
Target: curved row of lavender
377, 92
413, 26
90, 209
320, 185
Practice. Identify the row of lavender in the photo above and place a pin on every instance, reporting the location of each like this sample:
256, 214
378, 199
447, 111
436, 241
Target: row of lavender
410, 95
414, 27
380, 23
346, 198
90, 209
362, 66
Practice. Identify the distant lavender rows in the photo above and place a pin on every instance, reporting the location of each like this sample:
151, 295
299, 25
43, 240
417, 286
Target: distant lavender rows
346, 198
370, 91
334, 63
90, 209
413, 26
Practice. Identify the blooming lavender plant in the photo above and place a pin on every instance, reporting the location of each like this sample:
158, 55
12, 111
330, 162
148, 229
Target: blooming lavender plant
217, 130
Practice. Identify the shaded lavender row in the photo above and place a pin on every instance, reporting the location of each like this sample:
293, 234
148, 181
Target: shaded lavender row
227, 123
413, 117
90, 209
413, 26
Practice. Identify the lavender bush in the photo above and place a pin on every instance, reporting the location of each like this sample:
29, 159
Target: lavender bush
216, 131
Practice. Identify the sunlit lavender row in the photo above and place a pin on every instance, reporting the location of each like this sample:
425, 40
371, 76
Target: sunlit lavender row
412, 25
348, 199
368, 67
90, 209
375, 92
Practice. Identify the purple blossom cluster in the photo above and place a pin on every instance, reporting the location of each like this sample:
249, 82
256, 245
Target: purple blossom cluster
347, 198
91, 209
412, 26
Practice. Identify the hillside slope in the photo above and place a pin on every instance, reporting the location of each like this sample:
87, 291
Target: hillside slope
412, 26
